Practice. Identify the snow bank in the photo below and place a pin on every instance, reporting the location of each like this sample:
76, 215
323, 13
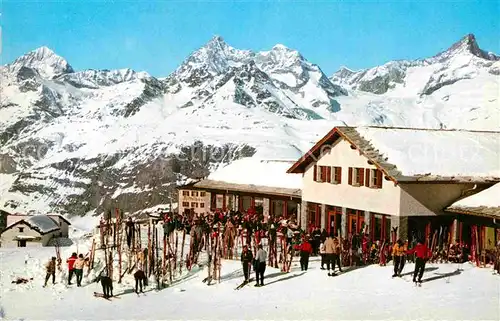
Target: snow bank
252, 171
437, 152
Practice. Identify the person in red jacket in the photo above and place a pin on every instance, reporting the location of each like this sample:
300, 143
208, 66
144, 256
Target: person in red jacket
305, 251
422, 253
71, 269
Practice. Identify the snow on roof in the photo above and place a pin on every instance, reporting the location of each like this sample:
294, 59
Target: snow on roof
488, 198
260, 172
43, 223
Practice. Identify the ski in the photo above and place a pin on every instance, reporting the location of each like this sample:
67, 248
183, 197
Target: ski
243, 284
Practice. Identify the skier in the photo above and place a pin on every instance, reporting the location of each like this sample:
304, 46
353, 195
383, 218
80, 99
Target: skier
398, 252
305, 251
140, 279
422, 253
71, 270
260, 258
106, 283
51, 271
246, 261
78, 267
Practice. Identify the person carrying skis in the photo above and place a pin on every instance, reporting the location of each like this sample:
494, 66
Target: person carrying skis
140, 280
71, 270
260, 258
398, 253
51, 271
246, 261
422, 253
305, 251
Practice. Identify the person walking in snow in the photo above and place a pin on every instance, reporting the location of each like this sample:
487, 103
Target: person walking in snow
336, 255
50, 267
246, 261
398, 253
260, 258
329, 250
130, 231
78, 268
322, 254
140, 280
305, 251
71, 269
422, 253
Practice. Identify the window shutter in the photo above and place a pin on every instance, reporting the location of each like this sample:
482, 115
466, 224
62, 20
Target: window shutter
315, 173
329, 174
361, 174
350, 176
379, 178
323, 173
367, 176
338, 170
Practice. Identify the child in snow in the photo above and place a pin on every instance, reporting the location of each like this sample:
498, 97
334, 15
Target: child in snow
246, 261
140, 279
305, 251
322, 253
51, 271
398, 253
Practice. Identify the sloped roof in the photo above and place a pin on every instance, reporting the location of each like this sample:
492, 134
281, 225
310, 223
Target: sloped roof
484, 203
42, 223
254, 175
416, 154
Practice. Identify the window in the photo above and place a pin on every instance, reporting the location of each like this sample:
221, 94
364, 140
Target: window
202, 205
202, 194
336, 175
194, 204
185, 193
356, 176
21, 229
185, 204
322, 173
194, 193
373, 178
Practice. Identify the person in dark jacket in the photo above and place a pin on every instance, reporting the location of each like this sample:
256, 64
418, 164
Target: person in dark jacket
106, 283
422, 253
305, 251
51, 271
130, 231
246, 261
140, 280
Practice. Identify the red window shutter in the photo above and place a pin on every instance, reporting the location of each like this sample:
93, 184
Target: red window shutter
329, 174
323, 173
367, 175
361, 173
350, 176
315, 173
338, 170
379, 179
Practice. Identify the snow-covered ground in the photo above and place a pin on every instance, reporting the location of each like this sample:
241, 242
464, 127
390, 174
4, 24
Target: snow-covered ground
366, 293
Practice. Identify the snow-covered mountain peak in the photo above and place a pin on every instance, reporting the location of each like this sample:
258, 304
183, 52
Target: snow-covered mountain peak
45, 61
466, 45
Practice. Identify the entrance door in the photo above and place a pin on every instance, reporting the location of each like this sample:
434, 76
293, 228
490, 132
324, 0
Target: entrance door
21, 243
331, 222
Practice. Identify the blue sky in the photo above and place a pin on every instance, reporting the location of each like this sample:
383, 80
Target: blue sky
156, 36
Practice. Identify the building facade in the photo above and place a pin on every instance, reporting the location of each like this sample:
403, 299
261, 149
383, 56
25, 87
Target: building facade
349, 187
37, 230
193, 201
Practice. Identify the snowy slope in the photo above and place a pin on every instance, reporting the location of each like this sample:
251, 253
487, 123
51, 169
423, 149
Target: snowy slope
462, 80
81, 141
449, 292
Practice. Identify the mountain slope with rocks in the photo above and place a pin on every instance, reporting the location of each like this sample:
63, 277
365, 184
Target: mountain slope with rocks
82, 142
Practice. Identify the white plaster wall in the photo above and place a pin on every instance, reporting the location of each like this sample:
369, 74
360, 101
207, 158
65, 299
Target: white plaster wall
9, 235
385, 200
